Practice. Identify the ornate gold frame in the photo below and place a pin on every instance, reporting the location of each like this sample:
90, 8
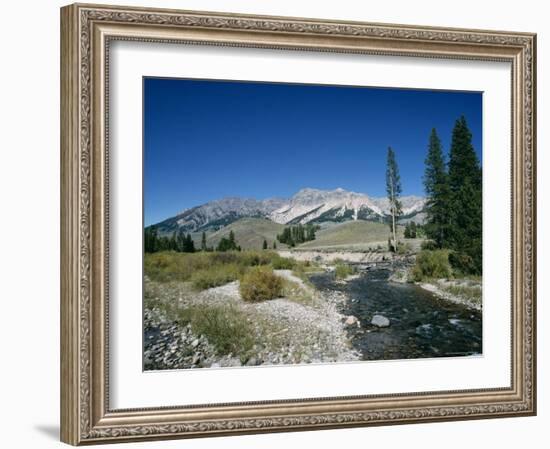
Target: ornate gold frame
86, 31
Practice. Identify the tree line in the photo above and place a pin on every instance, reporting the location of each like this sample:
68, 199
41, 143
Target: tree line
294, 235
179, 241
411, 230
454, 198
228, 243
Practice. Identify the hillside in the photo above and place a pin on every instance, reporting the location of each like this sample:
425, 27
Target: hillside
249, 233
355, 235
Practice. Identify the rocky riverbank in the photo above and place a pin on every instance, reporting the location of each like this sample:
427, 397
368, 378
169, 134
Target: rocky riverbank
186, 329
465, 292
330, 257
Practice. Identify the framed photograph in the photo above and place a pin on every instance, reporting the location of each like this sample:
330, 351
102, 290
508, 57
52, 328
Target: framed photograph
280, 224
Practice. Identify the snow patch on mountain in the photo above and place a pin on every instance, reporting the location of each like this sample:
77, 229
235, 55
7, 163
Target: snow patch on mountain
309, 204
306, 206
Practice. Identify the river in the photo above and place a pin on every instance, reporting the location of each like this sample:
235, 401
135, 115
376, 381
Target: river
421, 325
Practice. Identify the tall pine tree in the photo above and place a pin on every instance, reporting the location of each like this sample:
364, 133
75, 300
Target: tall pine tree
393, 189
151, 240
436, 186
465, 186
412, 229
181, 241
189, 244
203, 241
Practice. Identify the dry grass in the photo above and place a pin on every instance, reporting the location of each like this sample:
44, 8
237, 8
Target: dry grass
204, 269
470, 293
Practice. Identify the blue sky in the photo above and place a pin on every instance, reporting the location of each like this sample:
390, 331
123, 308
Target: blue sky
205, 140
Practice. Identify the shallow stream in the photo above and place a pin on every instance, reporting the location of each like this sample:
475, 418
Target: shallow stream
421, 325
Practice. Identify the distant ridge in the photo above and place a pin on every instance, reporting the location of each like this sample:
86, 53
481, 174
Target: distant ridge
307, 206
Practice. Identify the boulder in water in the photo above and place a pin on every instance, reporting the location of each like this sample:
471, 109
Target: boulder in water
351, 320
380, 321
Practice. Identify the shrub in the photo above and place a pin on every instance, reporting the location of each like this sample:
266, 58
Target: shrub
302, 269
462, 262
167, 266
215, 276
226, 327
428, 245
343, 270
260, 284
255, 258
209, 269
403, 248
223, 257
431, 264
283, 263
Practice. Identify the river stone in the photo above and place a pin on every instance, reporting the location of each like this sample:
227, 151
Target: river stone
380, 321
231, 362
253, 361
351, 320
195, 343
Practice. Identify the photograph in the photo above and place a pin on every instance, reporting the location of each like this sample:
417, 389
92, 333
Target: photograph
290, 220
289, 224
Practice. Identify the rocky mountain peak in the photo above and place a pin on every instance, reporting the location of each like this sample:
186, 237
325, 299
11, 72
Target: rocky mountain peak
308, 205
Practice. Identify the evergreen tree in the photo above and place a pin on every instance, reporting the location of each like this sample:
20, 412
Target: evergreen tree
180, 241
223, 244
412, 230
189, 245
203, 241
173, 242
436, 186
393, 189
228, 243
163, 243
310, 234
264, 246
286, 237
151, 240
407, 232
465, 184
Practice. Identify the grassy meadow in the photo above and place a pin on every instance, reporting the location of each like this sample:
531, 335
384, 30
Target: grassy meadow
352, 235
249, 232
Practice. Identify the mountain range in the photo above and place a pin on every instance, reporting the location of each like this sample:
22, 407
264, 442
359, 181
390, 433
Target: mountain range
306, 206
